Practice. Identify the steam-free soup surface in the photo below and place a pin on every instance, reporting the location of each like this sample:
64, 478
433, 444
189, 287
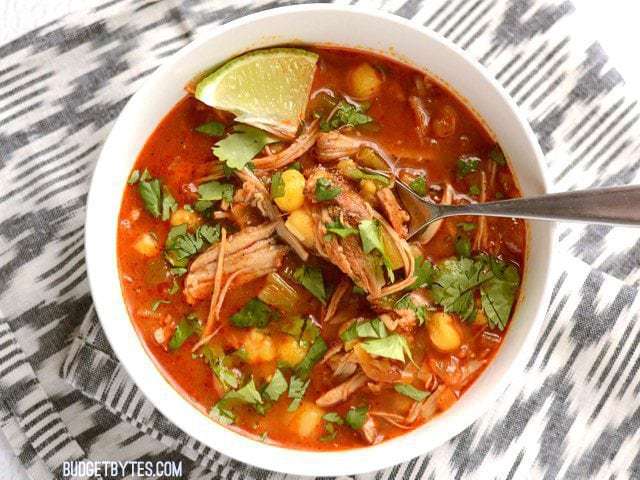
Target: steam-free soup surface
283, 299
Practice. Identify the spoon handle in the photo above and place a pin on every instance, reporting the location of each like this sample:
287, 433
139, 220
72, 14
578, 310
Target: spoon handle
615, 205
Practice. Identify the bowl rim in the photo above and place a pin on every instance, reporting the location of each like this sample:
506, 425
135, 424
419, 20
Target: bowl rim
241, 447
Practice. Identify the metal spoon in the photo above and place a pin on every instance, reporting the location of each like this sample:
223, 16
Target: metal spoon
614, 205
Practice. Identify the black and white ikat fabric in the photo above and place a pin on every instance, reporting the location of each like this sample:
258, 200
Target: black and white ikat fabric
574, 412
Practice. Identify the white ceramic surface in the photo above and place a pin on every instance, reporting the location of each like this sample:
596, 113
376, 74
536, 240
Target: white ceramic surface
346, 26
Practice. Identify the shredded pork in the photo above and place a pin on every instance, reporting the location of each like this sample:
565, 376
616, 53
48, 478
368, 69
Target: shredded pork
397, 216
253, 248
342, 392
290, 154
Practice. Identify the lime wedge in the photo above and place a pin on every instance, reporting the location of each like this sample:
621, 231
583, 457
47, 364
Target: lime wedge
268, 89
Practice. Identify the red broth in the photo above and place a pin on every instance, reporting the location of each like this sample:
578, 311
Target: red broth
179, 156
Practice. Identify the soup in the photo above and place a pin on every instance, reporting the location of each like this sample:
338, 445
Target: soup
269, 265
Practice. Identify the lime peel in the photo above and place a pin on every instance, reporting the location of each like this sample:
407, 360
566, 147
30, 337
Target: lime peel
267, 89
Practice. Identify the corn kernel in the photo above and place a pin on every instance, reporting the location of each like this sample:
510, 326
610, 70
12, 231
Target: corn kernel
364, 81
290, 351
259, 347
300, 224
293, 197
307, 420
443, 333
182, 216
147, 245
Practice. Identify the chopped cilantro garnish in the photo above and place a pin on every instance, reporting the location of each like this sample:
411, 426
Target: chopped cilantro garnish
497, 155
169, 204
313, 356
463, 246
373, 328
187, 327
255, 313
467, 164
212, 129
181, 245
474, 190
151, 194
134, 177
277, 185
406, 303
394, 346
466, 226
346, 115
339, 229
497, 281
325, 191
311, 279
419, 185
175, 288
297, 389
239, 148
410, 391
213, 191
156, 304
356, 416
276, 387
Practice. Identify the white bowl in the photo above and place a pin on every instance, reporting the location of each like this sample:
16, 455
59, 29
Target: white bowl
349, 27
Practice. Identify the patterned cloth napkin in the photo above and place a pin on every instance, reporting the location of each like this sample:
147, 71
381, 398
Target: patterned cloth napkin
573, 413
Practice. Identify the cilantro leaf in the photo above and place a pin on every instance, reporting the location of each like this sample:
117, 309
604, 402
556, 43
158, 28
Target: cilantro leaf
292, 326
175, 288
169, 204
239, 148
333, 417
467, 226
212, 129
467, 164
497, 155
454, 285
339, 229
311, 279
151, 194
222, 414
255, 313
181, 245
145, 176
346, 115
247, 394
498, 294
463, 246
314, 355
474, 190
155, 305
134, 177
356, 416
330, 419
276, 387
424, 272
410, 391
325, 191
373, 328
187, 327
213, 191
406, 303
394, 346
210, 233
224, 374
370, 236
277, 185
419, 185
297, 389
